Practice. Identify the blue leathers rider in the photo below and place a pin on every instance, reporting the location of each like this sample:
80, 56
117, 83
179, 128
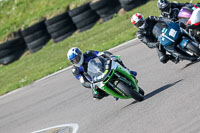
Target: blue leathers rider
80, 63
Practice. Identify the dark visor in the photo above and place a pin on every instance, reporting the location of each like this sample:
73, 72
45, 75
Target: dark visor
76, 59
139, 23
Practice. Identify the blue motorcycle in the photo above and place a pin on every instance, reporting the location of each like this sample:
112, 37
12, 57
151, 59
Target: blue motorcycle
176, 41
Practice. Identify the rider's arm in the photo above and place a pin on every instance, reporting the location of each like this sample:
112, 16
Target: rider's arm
81, 77
154, 19
146, 41
174, 14
105, 54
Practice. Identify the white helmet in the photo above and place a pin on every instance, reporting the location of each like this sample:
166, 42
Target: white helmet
138, 20
75, 56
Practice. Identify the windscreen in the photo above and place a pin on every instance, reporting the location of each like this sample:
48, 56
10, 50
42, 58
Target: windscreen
159, 28
185, 12
96, 68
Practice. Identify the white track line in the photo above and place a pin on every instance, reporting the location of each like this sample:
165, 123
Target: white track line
74, 126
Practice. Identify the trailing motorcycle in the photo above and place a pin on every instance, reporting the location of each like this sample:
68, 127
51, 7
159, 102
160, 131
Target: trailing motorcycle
176, 41
191, 18
114, 79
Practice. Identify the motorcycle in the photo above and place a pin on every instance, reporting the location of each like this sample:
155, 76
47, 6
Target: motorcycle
176, 40
114, 79
191, 18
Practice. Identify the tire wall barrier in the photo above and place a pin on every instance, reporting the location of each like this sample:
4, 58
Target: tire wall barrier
84, 17
36, 36
128, 5
62, 26
106, 8
11, 50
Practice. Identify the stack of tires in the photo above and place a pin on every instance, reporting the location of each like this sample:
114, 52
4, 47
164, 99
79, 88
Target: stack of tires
128, 5
11, 50
36, 36
106, 8
60, 27
84, 17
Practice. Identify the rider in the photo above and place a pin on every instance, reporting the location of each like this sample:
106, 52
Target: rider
171, 10
80, 63
145, 35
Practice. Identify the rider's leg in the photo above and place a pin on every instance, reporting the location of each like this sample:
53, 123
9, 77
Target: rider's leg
164, 58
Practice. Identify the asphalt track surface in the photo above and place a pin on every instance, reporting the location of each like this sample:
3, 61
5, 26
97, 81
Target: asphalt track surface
171, 105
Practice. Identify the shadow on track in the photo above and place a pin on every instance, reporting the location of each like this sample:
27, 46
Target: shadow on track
189, 64
153, 93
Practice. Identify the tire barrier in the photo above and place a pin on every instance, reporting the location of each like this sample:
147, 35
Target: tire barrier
106, 8
11, 50
36, 36
60, 27
128, 5
84, 17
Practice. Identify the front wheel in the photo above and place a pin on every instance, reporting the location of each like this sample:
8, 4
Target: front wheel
130, 92
141, 91
191, 47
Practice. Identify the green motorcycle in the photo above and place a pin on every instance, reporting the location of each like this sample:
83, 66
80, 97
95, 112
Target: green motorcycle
114, 79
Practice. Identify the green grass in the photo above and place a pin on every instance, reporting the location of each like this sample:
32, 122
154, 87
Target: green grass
52, 57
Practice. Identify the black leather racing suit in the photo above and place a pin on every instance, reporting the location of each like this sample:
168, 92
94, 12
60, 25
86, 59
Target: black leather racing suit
146, 36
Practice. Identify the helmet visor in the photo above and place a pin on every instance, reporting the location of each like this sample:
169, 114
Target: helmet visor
165, 8
139, 23
76, 59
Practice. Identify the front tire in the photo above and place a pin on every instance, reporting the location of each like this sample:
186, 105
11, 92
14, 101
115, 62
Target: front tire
130, 92
193, 48
141, 91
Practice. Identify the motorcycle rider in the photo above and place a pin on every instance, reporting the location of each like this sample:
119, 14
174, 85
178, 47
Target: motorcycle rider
80, 63
144, 34
171, 10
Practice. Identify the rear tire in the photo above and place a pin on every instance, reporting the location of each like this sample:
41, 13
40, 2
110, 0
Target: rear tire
193, 49
130, 92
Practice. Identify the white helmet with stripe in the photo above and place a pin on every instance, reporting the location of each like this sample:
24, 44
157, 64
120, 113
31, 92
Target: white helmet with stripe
138, 20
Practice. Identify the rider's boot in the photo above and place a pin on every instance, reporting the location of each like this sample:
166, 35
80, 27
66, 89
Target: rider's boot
116, 99
134, 74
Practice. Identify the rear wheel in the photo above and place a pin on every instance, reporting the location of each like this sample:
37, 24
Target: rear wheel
191, 47
130, 92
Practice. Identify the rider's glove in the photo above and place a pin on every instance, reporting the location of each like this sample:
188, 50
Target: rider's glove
182, 25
